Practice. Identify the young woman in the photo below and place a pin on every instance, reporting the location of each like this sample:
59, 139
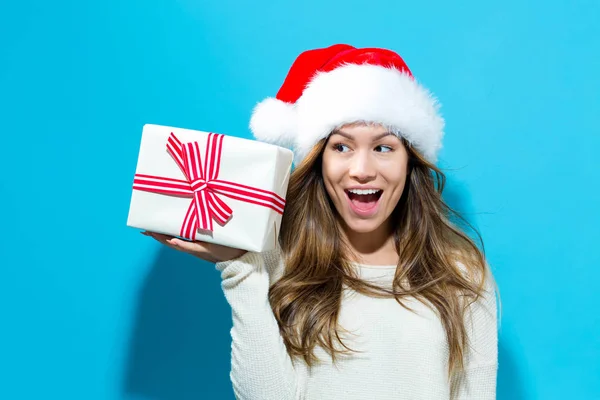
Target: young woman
373, 293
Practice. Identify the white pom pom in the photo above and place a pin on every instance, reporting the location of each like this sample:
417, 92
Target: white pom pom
274, 121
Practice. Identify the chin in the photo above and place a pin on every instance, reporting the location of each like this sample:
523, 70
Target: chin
362, 226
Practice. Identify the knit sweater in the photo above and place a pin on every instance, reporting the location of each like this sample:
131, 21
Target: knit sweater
403, 355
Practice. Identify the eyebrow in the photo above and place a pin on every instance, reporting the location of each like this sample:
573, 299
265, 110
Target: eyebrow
350, 137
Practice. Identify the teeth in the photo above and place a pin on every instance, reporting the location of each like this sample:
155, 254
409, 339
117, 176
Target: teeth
364, 191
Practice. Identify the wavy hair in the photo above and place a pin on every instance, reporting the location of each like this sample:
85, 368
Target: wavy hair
306, 299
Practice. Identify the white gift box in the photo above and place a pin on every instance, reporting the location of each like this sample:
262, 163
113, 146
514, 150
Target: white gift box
186, 180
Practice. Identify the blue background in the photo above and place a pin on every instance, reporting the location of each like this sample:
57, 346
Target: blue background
91, 309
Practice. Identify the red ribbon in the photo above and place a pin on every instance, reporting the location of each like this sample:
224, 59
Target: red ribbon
202, 185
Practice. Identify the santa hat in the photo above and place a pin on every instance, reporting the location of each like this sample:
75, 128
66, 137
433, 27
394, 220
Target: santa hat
329, 87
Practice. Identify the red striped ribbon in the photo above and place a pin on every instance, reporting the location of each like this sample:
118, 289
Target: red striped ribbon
202, 185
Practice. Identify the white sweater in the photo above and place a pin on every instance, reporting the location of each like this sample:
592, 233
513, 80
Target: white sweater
403, 355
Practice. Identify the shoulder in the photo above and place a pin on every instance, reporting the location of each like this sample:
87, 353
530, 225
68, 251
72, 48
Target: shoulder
274, 263
483, 279
480, 276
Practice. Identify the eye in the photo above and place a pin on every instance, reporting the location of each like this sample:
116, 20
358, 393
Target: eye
342, 148
383, 149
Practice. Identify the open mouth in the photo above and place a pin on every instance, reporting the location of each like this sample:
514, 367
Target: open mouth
364, 199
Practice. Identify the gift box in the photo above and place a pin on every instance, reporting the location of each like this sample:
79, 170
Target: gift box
209, 187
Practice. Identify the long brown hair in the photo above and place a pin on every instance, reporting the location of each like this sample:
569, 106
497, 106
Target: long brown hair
306, 299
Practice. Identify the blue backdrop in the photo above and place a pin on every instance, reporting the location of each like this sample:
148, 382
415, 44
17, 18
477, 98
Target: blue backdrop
91, 309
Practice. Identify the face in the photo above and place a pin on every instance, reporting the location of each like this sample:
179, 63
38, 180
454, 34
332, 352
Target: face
364, 171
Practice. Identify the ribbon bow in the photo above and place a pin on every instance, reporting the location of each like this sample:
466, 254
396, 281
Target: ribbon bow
203, 185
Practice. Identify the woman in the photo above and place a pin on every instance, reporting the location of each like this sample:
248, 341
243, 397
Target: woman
373, 293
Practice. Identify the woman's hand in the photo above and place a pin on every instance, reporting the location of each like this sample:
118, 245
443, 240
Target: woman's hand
206, 251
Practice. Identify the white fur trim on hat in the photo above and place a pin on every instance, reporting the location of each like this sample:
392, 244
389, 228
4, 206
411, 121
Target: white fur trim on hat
275, 121
353, 93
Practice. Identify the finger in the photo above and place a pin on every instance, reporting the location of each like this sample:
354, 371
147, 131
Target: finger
197, 248
189, 245
159, 237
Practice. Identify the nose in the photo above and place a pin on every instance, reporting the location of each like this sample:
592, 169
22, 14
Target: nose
362, 167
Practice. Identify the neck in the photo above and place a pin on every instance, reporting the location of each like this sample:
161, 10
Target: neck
372, 248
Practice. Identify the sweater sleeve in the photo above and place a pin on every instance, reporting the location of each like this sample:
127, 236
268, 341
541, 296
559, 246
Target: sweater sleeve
261, 368
478, 380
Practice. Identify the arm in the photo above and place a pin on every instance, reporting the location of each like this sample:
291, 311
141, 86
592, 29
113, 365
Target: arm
261, 368
478, 380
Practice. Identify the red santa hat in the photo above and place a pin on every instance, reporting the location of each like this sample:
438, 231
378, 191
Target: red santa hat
333, 86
